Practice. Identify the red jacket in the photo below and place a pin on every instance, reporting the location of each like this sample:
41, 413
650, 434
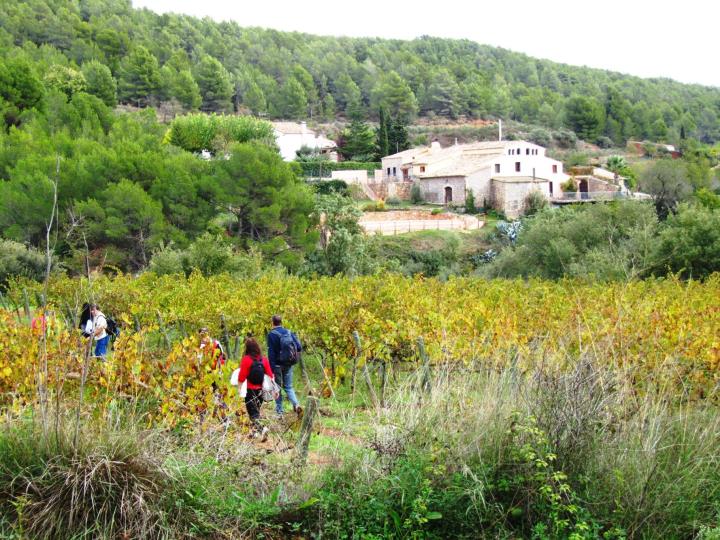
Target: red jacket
245, 364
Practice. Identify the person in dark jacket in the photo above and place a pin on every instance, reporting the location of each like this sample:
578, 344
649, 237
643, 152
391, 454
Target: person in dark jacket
281, 368
253, 398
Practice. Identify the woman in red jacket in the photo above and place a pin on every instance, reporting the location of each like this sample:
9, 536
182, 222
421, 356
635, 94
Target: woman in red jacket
253, 368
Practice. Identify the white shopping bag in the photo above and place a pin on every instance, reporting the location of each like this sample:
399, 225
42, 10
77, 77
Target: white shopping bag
243, 389
270, 389
234, 377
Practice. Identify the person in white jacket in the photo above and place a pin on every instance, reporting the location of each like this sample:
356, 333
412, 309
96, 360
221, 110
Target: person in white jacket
99, 331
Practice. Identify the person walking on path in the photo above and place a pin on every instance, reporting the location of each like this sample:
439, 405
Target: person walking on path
99, 331
283, 350
253, 368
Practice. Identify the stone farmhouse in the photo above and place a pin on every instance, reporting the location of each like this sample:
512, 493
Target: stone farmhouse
499, 173
292, 136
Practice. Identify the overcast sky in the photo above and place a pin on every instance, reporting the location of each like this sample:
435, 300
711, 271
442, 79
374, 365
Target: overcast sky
656, 38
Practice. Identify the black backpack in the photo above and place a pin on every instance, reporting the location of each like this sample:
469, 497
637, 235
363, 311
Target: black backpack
112, 329
289, 353
257, 371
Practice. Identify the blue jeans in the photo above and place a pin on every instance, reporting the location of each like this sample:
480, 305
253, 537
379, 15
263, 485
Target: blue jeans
101, 346
283, 377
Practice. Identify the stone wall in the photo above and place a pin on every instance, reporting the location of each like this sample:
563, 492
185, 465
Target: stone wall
434, 189
380, 189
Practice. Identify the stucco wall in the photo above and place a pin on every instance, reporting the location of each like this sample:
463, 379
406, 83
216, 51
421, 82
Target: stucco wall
479, 183
351, 177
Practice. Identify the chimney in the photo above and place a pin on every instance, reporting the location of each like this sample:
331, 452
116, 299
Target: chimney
303, 127
434, 146
499, 130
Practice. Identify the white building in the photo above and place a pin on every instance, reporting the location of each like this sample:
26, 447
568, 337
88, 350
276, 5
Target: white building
499, 173
291, 136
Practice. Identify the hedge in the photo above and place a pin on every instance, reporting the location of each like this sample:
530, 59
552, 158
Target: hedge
324, 168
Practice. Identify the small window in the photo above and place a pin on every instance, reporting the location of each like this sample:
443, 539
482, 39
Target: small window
422, 168
551, 188
527, 151
388, 171
497, 167
554, 168
517, 166
394, 171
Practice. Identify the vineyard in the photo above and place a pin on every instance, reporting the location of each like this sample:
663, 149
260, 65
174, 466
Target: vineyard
664, 336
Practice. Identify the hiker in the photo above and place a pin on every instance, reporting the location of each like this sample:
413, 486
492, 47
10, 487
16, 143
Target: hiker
253, 368
85, 321
284, 352
98, 330
211, 350
43, 323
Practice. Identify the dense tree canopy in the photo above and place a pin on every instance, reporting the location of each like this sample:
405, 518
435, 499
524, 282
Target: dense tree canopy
214, 66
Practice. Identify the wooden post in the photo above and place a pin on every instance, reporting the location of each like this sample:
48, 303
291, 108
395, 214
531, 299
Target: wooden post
425, 358
27, 304
306, 428
226, 333
368, 381
327, 380
358, 351
163, 330
383, 384
236, 348
305, 376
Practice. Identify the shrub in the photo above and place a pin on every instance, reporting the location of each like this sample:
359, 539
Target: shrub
436, 211
540, 136
416, 196
534, 202
689, 243
605, 142
565, 138
393, 201
16, 260
569, 186
331, 186
377, 206
470, 207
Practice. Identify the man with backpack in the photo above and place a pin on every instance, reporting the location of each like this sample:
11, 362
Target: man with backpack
284, 352
98, 330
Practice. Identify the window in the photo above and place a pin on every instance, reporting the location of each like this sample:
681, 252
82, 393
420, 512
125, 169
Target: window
394, 171
422, 168
527, 151
517, 166
554, 168
388, 173
551, 188
497, 167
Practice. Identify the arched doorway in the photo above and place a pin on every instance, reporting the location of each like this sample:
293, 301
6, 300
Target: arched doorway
583, 189
448, 194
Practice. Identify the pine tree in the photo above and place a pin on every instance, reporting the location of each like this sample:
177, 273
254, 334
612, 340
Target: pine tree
359, 139
100, 82
215, 86
382, 136
139, 78
398, 135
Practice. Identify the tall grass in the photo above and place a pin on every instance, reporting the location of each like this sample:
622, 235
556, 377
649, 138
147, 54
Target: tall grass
482, 454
